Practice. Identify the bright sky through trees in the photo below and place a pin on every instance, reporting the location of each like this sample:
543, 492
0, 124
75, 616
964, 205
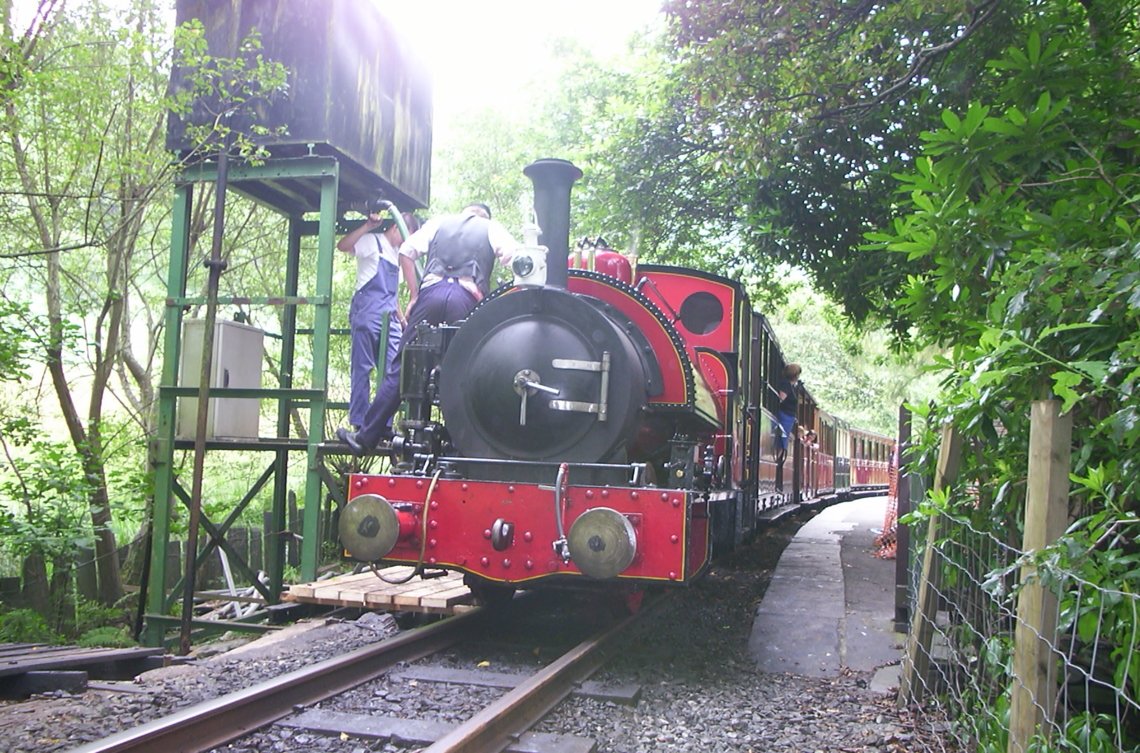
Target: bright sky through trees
482, 53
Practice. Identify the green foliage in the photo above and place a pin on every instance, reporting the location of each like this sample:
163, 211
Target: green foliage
15, 342
84, 168
107, 637
225, 100
129, 482
988, 724
1021, 212
43, 494
852, 372
778, 126
1082, 733
1086, 733
1019, 221
1104, 611
91, 615
597, 113
483, 161
26, 626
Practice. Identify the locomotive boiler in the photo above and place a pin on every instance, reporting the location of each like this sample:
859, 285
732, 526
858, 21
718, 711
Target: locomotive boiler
610, 426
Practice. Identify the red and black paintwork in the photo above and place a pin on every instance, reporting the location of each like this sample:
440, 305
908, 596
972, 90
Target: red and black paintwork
671, 526
644, 399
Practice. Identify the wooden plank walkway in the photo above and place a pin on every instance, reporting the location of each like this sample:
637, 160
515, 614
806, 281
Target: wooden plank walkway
27, 668
444, 594
112, 663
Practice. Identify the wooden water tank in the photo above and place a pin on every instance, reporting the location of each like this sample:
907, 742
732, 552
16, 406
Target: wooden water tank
356, 92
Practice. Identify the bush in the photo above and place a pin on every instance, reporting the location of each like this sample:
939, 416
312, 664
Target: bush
26, 626
91, 615
107, 637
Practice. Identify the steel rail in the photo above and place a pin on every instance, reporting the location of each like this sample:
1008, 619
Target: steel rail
213, 723
504, 721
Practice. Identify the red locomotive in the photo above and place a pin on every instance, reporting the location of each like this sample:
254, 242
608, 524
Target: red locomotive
610, 426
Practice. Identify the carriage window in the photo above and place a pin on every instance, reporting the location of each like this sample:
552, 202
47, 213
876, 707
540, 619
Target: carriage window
701, 313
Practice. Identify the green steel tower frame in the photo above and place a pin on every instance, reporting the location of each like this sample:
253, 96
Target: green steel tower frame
321, 174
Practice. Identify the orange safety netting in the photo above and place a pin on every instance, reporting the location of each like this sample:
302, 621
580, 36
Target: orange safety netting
886, 543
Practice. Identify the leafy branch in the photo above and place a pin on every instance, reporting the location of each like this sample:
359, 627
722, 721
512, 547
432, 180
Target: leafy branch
225, 101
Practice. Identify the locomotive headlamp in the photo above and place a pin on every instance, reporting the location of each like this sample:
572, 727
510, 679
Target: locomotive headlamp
602, 543
529, 265
370, 527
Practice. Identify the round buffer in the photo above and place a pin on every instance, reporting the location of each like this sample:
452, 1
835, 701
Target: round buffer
368, 527
602, 542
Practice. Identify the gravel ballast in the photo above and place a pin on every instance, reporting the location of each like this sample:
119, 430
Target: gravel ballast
701, 690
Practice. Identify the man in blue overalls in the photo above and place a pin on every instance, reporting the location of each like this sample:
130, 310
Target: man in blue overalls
374, 244
461, 251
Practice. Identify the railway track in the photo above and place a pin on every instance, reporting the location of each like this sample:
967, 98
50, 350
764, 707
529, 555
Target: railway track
498, 726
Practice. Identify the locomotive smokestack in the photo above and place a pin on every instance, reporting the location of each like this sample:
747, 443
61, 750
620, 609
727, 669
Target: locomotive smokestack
552, 180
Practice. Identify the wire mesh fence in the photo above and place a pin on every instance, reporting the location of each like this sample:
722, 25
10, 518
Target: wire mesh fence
1024, 632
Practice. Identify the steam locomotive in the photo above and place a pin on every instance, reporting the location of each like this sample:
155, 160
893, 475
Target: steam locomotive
597, 425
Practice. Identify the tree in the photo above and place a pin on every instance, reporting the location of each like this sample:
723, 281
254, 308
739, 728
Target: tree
851, 371
1021, 213
48, 525
83, 127
779, 125
573, 111
1019, 222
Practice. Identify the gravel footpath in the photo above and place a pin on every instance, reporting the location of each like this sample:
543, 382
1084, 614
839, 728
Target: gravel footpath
700, 689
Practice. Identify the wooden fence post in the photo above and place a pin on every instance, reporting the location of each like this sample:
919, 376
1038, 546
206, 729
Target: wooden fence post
916, 663
902, 533
86, 577
293, 546
1034, 689
256, 537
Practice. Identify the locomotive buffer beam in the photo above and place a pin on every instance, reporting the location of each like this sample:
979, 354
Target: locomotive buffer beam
579, 406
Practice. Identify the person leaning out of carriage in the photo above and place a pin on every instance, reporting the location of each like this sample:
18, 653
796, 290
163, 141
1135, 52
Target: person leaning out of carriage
787, 389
